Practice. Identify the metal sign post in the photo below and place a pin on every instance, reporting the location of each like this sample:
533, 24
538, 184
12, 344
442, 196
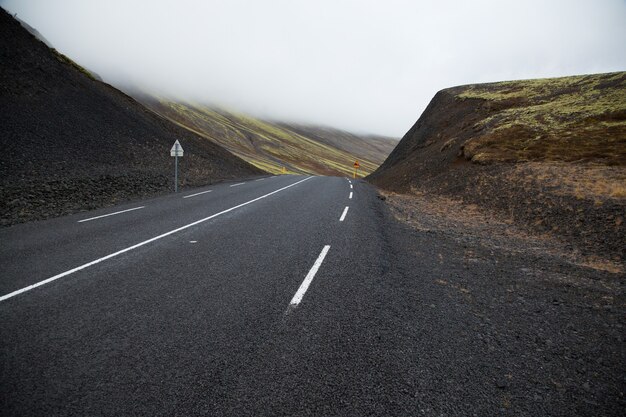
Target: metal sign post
176, 151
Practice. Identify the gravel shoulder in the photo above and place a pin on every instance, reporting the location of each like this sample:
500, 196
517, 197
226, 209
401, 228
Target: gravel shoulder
497, 321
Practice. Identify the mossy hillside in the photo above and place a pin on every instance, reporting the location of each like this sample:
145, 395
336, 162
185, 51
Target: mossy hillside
262, 143
548, 156
580, 118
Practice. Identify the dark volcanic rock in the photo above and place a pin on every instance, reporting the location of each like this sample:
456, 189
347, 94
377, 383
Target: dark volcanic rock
509, 323
71, 142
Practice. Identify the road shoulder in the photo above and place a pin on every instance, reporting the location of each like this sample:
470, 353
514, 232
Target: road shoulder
499, 321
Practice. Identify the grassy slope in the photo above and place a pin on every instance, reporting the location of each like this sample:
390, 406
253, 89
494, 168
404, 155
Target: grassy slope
580, 118
568, 119
571, 119
272, 146
548, 154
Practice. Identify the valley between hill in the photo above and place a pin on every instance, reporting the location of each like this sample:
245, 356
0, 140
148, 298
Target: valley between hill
272, 146
504, 296
73, 143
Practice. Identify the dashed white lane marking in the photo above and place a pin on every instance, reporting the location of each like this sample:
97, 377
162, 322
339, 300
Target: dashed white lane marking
350, 186
260, 179
145, 242
350, 195
350, 182
240, 183
193, 195
193, 241
110, 214
309, 277
343, 215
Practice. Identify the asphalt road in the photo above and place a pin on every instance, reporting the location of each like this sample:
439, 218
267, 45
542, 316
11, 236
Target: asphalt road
201, 320
269, 298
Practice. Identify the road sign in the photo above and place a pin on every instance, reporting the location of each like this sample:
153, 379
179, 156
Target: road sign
356, 167
176, 150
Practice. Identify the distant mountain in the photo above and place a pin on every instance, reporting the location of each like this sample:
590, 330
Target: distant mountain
71, 142
373, 148
547, 153
273, 145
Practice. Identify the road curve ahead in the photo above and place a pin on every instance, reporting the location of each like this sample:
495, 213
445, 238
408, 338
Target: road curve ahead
254, 298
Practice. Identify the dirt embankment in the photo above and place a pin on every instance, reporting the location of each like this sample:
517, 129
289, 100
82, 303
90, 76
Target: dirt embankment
547, 155
71, 142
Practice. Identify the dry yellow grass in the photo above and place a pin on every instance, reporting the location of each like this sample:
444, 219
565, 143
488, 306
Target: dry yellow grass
428, 212
583, 181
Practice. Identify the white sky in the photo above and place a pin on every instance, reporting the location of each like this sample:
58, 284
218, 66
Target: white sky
361, 65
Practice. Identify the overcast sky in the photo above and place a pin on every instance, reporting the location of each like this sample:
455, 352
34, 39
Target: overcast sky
360, 65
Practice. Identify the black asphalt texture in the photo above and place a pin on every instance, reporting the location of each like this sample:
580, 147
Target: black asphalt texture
181, 328
199, 322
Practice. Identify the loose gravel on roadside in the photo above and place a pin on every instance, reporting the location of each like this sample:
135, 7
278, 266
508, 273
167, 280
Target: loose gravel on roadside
496, 322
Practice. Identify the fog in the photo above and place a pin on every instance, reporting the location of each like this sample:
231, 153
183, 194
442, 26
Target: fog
361, 65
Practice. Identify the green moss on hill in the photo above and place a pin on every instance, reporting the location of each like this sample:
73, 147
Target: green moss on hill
581, 118
271, 146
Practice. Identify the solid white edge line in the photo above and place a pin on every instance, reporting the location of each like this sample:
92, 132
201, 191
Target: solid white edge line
193, 195
343, 215
350, 195
145, 242
110, 214
241, 183
309, 277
